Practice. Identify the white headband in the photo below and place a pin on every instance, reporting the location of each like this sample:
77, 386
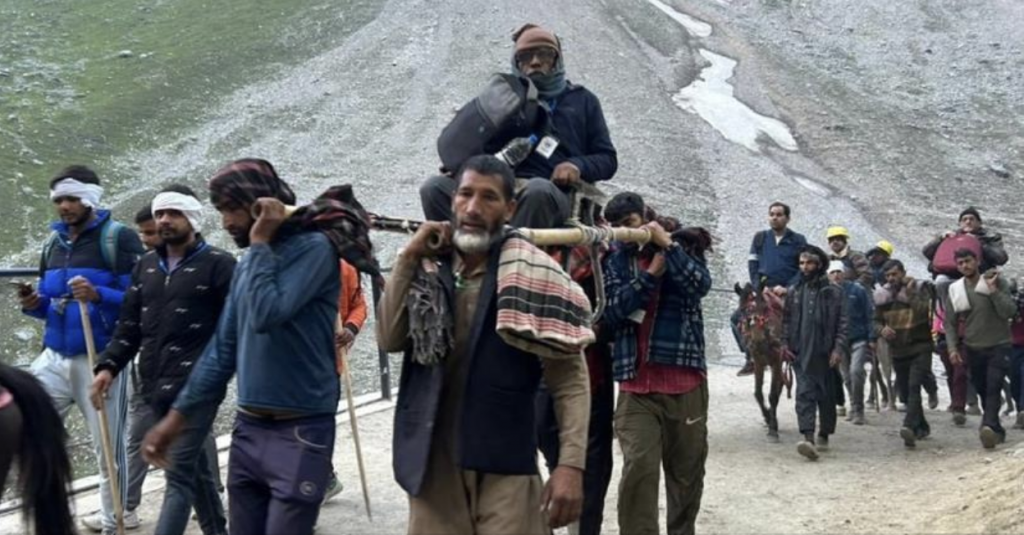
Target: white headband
89, 194
188, 205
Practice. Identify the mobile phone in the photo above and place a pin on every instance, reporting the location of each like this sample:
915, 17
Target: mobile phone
23, 288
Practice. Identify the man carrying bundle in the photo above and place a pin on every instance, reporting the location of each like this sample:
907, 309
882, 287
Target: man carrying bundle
459, 304
277, 331
654, 312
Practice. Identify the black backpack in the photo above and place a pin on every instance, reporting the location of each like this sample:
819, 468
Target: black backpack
507, 103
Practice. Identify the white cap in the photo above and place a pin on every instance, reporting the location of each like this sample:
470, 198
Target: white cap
836, 265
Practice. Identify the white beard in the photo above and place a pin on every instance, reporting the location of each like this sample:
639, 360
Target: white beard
472, 242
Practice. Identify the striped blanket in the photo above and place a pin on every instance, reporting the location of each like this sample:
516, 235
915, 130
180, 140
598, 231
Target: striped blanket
540, 309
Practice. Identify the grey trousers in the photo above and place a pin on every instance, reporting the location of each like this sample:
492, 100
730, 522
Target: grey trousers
141, 419
816, 395
539, 204
856, 375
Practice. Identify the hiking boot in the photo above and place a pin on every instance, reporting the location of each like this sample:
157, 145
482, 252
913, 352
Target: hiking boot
933, 400
909, 440
858, 418
334, 487
822, 443
973, 409
747, 369
841, 410
806, 448
989, 437
959, 418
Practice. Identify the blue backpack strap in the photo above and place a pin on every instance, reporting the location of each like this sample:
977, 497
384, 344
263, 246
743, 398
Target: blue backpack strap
109, 234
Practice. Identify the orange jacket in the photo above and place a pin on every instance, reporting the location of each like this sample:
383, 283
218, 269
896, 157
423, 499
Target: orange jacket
351, 304
351, 307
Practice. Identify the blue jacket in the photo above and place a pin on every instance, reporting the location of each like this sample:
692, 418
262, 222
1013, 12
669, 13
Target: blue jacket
84, 257
578, 124
860, 313
677, 336
276, 331
775, 264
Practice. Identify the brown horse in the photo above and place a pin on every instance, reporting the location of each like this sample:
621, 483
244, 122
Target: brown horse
761, 329
33, 434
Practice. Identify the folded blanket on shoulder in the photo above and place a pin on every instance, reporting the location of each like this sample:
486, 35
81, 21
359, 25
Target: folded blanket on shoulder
958, 296
540, 309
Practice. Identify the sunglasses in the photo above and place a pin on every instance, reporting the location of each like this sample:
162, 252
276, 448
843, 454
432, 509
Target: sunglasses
543, 54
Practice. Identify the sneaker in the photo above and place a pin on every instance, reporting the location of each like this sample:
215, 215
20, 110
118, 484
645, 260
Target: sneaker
973, 410
959, 418
989, 438
334, 487
933, 400
909, 440
858, 419
841, 410
747, 369
94, 522
131, 520
822, 443
806, 448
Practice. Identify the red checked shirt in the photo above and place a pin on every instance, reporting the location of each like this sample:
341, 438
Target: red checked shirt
657, 378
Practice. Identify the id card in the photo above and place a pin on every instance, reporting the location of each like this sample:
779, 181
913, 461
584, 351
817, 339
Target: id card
547, 146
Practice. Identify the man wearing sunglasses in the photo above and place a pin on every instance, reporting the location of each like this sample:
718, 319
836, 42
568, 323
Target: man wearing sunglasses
572, 140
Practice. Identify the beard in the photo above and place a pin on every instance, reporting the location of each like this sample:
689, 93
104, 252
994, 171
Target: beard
472, 242
241, 240
170, 237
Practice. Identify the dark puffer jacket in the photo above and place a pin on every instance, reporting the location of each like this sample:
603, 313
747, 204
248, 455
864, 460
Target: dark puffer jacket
168, 317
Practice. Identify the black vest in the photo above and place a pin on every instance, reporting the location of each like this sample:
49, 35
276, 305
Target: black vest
496, 427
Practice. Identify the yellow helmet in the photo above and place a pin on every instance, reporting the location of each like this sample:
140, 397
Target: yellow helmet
837, 232
886, 246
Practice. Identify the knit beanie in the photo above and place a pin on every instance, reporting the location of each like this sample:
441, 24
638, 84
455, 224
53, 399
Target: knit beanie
533, 36
970, 210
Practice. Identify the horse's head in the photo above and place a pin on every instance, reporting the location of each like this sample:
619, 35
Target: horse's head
760, 318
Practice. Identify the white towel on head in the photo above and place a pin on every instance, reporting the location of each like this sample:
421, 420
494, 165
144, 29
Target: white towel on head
958, 296
188, 205
89, 194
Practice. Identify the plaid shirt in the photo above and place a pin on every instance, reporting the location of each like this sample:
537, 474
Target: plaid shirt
676, 335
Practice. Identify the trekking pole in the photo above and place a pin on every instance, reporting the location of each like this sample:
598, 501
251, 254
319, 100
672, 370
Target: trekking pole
112, 475
343, 356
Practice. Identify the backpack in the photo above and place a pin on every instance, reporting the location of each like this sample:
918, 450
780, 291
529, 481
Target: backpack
944, 262
508, 101
109, 233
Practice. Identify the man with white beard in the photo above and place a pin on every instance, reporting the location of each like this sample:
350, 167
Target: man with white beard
465, 446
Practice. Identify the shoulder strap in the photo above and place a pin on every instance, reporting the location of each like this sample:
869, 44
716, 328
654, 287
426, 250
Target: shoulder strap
48, 246
109, 234
759, 240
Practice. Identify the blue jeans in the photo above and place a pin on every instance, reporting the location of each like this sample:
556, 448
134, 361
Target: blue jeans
190, 483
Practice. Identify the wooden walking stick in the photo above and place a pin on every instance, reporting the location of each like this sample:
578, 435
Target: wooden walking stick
108, 454
343, 357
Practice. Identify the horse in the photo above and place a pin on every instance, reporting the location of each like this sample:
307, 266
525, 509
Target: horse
761, 329
34, 434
